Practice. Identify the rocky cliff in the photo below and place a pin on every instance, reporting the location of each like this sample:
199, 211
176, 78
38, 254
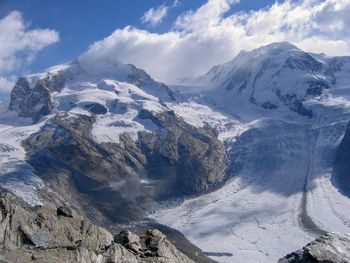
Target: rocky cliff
41, 234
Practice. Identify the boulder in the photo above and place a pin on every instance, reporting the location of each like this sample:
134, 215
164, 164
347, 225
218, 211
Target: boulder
64, 211
128, 240
154, 239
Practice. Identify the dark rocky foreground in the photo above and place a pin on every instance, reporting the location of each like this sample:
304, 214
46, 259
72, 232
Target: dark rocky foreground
330, 248
42, 234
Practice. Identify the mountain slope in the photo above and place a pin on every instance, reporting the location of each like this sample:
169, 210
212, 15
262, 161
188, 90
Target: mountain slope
106, 142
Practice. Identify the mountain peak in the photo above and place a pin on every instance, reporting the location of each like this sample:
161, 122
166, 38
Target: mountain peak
276, 50
66, 87
272, 76
279, 45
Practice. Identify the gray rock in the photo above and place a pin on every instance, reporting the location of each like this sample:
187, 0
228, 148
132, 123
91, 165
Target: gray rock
158, 246
330, 248
64, 211
40, 227
128, 240
154, 239
32, 103
36, 102
39, 235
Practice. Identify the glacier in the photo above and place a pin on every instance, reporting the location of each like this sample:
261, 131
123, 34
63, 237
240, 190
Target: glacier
281, 195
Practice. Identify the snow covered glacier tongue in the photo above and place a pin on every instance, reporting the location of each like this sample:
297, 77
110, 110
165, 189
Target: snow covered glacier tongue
285, 113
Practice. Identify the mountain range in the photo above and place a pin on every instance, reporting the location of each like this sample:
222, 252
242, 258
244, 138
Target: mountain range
249, 161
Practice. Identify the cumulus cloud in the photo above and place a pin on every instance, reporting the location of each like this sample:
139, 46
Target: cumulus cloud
155, 16
208, 15
19, 44
208, 36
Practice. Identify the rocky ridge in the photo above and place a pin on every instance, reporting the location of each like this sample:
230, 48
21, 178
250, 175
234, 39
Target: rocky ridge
41, 234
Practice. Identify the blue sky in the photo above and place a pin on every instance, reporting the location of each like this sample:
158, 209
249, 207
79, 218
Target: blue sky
184, 40
82, 22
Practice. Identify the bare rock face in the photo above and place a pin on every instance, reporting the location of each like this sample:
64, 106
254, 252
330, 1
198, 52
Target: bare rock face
40, 235
330, 248
32, 103
35, 102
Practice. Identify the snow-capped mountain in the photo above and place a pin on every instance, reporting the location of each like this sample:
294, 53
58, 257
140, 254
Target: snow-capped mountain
275, 76
107, 140
283, 113
102, 132
76, 84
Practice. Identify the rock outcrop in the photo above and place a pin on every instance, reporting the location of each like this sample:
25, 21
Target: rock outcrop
32, 103
330, 248
40, 235
35, 102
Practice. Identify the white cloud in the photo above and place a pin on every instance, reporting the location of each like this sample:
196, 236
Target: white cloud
176, 3
19, 44
208, 15
209, 36
155, 16
6, 84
